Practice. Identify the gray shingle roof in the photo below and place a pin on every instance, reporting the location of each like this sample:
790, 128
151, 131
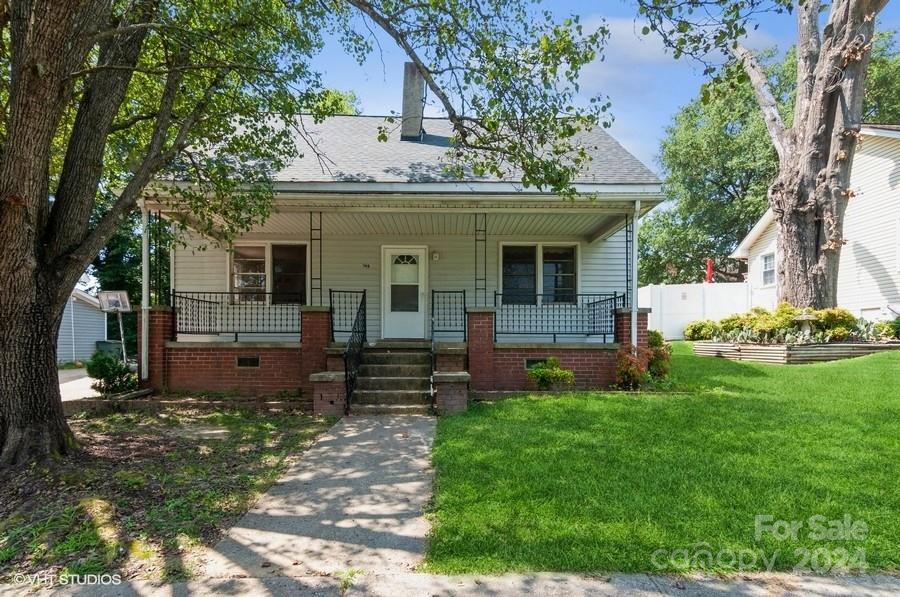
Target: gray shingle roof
352, 153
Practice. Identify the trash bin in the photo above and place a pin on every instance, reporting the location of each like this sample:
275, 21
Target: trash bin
112, 347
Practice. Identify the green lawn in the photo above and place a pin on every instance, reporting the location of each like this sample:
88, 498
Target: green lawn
599, 482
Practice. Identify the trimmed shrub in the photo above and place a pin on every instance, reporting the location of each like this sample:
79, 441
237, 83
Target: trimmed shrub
884, 330
660, 361
551, 374
631, 374
896, 325
655, 339
111, 375
704, 329
830, 319
838, 334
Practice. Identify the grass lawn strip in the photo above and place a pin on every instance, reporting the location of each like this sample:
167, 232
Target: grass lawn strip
600, 482
148, 491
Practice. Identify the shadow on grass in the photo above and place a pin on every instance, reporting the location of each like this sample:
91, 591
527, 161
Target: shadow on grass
145, 492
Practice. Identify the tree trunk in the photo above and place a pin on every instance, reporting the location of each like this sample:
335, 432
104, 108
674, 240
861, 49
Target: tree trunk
810, 196
809, 249
32, 424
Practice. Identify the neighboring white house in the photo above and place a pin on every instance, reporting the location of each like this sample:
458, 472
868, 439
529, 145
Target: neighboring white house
83, 324
869, 275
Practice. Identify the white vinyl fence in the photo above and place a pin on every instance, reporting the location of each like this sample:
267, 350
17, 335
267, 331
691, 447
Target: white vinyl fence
673, 306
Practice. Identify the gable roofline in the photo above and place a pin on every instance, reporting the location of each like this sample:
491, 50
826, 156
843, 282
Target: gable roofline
743, 249
460, 187
891, 131
84, 297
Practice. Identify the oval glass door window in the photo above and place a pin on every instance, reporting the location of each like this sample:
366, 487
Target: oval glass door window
405, 283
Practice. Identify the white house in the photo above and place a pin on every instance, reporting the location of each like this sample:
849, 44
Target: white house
869, 273
83, 325
396, 254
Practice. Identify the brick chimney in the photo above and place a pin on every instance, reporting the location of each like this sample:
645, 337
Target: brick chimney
413, 103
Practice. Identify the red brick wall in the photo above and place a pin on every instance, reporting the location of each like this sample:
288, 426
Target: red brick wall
214, 369
330, 398
594, 368
316, 334
160, 333
623, 327
481, 349
503, 369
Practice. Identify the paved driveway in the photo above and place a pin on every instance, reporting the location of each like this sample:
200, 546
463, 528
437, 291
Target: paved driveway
354, 501
75, 384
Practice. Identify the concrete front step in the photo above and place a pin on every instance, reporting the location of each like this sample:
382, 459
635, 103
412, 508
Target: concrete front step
390, 409
396, 357
390, 370
419, 383
389, 397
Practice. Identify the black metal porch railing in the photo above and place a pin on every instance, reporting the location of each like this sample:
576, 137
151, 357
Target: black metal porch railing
448, 313
344, 306
547, 315
215, 313
353, 351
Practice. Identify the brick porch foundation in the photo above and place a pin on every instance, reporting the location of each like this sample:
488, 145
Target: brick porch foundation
503, 367
240, 368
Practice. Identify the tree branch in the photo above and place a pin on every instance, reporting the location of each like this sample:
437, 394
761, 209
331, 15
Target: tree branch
765, 99
809, 46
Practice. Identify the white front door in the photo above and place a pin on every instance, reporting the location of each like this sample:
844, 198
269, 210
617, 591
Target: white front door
404, 280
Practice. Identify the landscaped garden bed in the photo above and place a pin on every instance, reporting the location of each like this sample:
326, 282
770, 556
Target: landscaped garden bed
792, 336
791, 354
146, 493
597, 482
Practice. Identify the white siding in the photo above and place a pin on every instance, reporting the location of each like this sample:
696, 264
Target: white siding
82, 326
761, 294
869, 277
353, 262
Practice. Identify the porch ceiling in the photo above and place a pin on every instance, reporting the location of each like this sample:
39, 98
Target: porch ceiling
440, 224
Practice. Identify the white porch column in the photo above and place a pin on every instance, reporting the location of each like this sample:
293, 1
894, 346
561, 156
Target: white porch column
145, 292
634, 276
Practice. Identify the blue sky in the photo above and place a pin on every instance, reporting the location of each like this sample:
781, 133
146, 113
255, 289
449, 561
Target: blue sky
645, 84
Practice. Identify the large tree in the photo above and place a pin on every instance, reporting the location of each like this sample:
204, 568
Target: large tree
100, 98
815, 145
710, 209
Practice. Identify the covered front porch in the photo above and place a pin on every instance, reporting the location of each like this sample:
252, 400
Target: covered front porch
493, 285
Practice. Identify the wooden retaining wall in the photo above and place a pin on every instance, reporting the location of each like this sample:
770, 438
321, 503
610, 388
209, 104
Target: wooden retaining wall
793, 354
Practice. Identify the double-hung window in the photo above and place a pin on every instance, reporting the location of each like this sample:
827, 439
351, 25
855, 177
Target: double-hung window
539, 272
768, 269
279, 269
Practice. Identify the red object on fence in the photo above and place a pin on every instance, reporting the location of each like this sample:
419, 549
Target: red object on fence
709, 270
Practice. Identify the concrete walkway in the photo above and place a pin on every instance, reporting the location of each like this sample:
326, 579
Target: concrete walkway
513, 585
354, 501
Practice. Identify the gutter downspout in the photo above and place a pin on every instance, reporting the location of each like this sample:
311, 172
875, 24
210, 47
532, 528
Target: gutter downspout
634, 276
145, 292
72, 324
